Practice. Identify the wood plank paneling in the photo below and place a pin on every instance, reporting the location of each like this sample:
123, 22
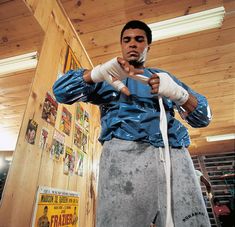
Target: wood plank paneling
19, 31
204, 60
14, 93
35, 165
84, 15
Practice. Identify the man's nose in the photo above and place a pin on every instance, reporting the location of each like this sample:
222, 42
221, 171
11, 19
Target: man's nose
132, 43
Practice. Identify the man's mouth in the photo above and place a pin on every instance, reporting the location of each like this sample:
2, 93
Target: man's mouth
133, 53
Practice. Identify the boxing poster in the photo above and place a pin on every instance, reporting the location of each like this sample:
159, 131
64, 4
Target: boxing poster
56, 207
57, 146
79, 163
49, 110
43, 138
31, 131
77, 137
79, 117
66, 120
69, 161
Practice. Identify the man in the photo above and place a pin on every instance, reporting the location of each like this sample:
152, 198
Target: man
138, 180
43, 220
75, 217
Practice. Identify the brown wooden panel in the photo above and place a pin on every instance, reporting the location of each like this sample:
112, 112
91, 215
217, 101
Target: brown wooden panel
209, 148
12, 8
203, 60
14, 94
173, 47
20, 32
92, 16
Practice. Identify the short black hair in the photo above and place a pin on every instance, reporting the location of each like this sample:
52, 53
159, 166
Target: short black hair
140, 25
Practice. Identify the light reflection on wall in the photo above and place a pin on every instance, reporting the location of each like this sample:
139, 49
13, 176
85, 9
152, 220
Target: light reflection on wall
5, 162
8, 140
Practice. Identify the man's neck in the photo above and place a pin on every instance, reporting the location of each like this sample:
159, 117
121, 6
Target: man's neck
136, 64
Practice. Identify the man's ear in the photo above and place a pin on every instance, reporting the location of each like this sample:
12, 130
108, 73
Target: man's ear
148, 48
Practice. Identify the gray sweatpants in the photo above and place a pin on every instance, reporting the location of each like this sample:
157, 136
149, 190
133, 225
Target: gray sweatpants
132, 187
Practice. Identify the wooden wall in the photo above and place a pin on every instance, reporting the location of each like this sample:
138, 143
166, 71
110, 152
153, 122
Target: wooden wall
20, 33
32, 166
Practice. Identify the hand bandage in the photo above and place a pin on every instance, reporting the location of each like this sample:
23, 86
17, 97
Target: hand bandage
170, 89
108, 72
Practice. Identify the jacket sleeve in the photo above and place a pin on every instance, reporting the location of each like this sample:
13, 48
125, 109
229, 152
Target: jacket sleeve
201, 116
71, 87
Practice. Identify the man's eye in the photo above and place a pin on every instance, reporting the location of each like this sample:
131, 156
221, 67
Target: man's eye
139, 39
126, 40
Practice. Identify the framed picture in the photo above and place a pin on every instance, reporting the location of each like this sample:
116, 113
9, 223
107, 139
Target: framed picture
71, 61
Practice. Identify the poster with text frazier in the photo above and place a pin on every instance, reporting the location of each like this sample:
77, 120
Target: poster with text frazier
56, 207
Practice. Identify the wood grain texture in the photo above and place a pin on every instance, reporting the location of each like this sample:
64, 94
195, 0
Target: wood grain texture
21, 98
203, 60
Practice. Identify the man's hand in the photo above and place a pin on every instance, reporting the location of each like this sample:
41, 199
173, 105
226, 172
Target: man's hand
114, 71
209, 195
133, 72
164, 85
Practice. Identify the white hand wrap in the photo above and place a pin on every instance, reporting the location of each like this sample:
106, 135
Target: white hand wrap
108, 71
170, 89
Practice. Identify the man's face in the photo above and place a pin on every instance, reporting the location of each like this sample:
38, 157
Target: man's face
45, 211
134, 46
